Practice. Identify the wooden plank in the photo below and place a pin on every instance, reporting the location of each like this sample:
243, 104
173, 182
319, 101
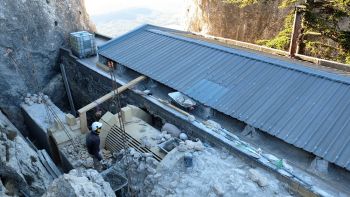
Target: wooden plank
295, 33
110, 95
82, 111
83, 122
69, 94
103, 67
50, 163
173, 107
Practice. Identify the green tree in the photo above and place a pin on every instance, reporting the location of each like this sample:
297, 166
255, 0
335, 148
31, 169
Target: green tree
320, 18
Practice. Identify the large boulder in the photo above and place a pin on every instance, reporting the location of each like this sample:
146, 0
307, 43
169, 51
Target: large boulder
20, 167
32, 31
84, 183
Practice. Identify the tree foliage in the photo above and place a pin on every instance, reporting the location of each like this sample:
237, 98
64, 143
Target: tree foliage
324, 17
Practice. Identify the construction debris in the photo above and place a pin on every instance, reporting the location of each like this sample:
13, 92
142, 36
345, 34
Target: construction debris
80, 158
214, 173
139, 168
80, 183
182, 99
192, 169
249, 131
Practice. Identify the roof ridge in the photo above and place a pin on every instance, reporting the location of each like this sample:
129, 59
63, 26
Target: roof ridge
284, 64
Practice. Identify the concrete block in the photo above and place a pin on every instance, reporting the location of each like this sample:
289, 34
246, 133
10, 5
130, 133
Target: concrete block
51, 130
70, 120
107, 120
76, 126
131, 111
60, 137
58, 126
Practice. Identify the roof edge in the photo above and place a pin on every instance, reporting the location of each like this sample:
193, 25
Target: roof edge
262, 58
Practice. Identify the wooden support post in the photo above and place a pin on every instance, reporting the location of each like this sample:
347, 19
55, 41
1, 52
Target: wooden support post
83, 122
82, 111
295, 33
69, 94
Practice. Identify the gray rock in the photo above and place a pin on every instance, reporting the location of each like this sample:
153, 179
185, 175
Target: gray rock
319, 165
80, 183
257, 177
32, 31
183, 136
171, 129
21, 165
218, 190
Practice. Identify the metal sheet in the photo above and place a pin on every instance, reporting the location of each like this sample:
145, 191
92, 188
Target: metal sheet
303, 106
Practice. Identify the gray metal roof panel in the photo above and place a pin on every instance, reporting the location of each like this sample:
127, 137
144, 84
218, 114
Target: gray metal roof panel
303, 106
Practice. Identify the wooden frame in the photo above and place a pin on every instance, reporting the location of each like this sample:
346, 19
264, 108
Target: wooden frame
83, 110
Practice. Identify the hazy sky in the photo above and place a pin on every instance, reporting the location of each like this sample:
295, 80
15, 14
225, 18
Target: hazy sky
114, 17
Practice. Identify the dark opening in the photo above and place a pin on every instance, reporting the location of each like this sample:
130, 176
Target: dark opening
56, 23
157, 122
54, 150
28, 179
33, 159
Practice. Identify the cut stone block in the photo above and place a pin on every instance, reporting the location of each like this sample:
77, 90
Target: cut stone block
131, 111
51, 130
70, 120
58, 126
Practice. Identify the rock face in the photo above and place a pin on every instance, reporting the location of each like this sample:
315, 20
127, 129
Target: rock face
32, 31
20, 167
85, 183
251, 23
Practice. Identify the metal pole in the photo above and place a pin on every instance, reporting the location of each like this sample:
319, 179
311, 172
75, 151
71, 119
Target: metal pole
66, 85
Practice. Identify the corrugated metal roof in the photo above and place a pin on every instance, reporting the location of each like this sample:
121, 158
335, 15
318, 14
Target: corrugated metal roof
303, 106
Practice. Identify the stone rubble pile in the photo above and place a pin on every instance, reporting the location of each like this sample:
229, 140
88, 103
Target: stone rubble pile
169, 131
212, 172
160, 138
191, 146
31, 99
139, 169
80, 183
80, 158
78, 155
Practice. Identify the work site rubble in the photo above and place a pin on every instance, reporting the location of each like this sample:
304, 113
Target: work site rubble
214, 173
195, 169
80, 158
80, 183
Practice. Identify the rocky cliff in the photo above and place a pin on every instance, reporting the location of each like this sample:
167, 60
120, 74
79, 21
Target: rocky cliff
254, 22
32, 31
